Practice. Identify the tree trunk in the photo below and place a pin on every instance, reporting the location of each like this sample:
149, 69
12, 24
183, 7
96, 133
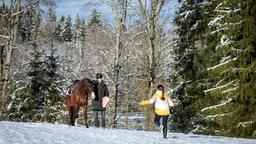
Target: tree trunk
150, 27
117, 55
13, 26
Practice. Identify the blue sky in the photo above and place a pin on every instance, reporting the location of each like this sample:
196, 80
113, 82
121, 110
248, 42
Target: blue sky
84, 8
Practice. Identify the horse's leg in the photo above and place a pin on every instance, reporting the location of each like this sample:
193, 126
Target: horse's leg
76, 115
85, 111
68, 103
74, 110
71, 116
68, 107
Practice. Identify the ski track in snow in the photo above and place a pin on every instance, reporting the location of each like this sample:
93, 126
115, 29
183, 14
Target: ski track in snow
45, 133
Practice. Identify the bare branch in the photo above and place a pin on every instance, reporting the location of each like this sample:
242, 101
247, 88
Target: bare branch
19, 12
159, 8
160, 74
144, 14
138, 34
25, 9
5, 36
165, 47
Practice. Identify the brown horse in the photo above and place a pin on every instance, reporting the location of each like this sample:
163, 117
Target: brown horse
77, 97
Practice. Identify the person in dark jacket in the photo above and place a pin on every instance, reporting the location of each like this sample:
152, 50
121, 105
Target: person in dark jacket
101, 92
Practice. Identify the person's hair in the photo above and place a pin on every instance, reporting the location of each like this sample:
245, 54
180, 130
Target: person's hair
161, 88
99, 75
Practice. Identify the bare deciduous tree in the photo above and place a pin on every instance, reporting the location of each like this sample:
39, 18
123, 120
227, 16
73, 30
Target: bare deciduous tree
121, 10
15, 9
150, 18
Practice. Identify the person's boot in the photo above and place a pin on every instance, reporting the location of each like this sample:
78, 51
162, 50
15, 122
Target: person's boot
164, 132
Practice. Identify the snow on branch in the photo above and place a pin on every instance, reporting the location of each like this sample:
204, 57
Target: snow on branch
243, 124
219, 82
214, 21
225, 26
197, 129
221, 64
220, 87
218, 30
211, 117
195, 25
224, 40
216, 106
223, 9
226, 58
237, 50
229, 90
185, 14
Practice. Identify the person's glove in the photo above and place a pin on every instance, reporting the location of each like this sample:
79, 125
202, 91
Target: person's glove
142, 103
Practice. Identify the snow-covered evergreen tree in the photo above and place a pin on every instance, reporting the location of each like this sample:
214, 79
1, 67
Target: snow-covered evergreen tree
54, 104
215, 99
189, 70
66, 32
50, 22
95, 19
77, 28
231, 32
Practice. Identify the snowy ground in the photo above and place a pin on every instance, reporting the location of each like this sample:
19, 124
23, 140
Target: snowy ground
45, 133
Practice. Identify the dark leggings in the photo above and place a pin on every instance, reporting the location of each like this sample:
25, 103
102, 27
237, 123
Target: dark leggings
164, 123
103, 118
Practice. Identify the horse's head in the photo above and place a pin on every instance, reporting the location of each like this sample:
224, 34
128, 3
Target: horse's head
88, 87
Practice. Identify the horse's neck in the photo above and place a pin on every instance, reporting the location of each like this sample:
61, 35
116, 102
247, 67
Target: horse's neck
73, 86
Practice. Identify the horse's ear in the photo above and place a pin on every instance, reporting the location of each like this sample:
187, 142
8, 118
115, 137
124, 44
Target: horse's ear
94, 82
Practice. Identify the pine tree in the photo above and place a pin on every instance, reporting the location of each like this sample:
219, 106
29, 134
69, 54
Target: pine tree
51, 16
52, 65
220, 99
50, 22
54, 102
191, 20
95, 19
37, 23
58, 30
77, 26
247, 75
28, 100
82, 36
67, 30
26, 26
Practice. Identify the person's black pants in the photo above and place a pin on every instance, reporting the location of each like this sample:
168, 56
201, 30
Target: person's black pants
164, 123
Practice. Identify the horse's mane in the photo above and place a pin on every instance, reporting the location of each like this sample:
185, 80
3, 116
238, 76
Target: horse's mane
85, 81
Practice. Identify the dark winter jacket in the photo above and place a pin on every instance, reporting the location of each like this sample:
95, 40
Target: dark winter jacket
100, 90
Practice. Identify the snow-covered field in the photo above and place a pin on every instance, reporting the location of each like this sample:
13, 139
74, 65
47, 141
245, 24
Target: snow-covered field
45, 133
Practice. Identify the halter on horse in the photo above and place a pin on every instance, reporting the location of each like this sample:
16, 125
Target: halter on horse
78, 97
